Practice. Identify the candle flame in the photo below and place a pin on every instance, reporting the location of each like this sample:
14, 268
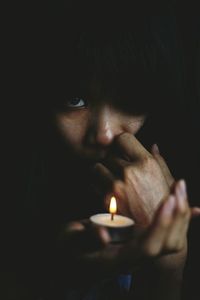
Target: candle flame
113, 205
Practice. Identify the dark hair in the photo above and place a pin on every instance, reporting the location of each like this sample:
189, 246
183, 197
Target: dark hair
137, 63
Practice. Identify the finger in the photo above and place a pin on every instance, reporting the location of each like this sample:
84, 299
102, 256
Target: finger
153, 241
116, 165
81, 237
71, 229
131, 147
107, 260
111, 186
156, 154
176, 237
71, 235
102, 234
195, 212
120, 256
103, 176
116, 258
99, 237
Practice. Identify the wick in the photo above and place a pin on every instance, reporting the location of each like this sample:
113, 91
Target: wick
112, 217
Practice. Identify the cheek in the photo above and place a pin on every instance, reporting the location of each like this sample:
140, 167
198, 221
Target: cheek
72, 127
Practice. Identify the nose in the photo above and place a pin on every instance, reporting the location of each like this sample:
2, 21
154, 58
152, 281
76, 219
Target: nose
106, 125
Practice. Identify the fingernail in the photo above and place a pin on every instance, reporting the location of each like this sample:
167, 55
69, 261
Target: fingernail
181, 194
155, 149
169, 206
182, 186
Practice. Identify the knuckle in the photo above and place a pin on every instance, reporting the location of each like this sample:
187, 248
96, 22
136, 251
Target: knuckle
150, 250
147, 160
128, 172
173, 246
169, 246
184, 213
116, 185
179, 247
165, 223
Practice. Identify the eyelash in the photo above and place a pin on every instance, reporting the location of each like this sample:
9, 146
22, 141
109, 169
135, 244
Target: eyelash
76, 105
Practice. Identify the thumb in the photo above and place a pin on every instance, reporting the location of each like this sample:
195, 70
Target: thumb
82, 236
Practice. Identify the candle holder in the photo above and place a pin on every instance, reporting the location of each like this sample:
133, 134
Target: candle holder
119, 227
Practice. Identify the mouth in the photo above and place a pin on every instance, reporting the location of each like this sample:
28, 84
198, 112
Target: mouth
93, 156
93, 161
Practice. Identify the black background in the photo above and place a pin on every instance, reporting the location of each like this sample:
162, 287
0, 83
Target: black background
22, 34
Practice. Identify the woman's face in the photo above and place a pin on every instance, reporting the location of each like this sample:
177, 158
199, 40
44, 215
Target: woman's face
90, 127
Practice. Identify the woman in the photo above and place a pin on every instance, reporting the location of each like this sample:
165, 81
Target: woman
112, 90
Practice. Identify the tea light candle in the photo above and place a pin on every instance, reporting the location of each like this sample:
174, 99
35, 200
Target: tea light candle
119, 227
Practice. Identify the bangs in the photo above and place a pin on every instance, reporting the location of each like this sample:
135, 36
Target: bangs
135, 66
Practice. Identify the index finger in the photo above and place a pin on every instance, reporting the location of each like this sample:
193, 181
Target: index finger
130, 146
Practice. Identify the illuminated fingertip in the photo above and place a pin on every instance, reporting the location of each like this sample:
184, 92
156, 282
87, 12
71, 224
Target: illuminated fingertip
169, 206
195, 211
155, 149
105, 236
182, 185
73, 227
181, 196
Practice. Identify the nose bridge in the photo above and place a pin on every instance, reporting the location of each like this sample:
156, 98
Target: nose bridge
106, 125
104, 119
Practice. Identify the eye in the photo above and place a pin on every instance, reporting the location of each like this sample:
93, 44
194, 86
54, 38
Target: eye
76, 103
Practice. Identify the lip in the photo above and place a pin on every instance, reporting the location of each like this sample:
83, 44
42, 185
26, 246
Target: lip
104, 157
95, 157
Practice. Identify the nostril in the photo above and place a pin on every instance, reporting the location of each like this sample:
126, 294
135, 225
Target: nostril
104, 139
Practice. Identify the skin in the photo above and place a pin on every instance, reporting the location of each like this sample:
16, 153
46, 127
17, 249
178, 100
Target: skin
146, 190
87, 128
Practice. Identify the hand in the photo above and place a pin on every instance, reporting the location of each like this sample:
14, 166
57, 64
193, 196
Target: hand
140, 180
88, 247
162, 277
